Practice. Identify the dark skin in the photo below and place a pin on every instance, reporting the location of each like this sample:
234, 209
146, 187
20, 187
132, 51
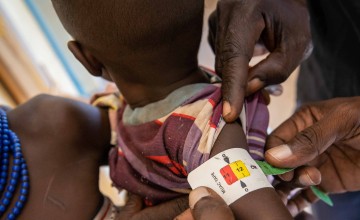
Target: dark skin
67, 140
265, 200
64, 142
211, 206
321, 141
233, 135
228, 138
208, 205
235, 28
57, 177
135, 209
303, 134
61, 164
149, 87
54, 185
205, 203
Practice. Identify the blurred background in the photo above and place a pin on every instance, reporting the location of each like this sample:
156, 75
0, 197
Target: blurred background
34, 59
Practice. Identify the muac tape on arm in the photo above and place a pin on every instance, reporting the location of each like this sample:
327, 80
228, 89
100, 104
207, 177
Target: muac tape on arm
233, 173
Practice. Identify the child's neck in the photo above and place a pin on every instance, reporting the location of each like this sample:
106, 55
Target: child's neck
141, 92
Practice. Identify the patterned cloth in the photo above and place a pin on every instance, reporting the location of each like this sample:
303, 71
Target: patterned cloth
159, 144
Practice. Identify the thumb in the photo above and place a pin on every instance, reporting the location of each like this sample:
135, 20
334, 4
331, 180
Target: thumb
275, 69
133, 206
305, 146
206, 204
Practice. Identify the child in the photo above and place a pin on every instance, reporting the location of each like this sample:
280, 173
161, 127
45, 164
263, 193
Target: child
167, 125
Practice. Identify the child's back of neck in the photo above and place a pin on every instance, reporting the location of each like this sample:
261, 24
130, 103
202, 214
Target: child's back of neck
151, 77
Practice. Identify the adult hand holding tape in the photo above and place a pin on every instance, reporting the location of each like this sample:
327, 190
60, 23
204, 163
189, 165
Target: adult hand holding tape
232, 174
323, 141
206, 204
324, 136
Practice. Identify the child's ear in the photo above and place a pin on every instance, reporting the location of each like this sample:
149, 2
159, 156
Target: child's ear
85, 58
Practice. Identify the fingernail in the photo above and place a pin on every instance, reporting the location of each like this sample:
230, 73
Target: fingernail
196, 195
275, 90
255, 81
226, 108
184, 215
306, 180
280, 152
287, 176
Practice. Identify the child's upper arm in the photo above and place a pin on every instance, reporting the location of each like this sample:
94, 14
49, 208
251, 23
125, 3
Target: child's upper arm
260, 204
232, 135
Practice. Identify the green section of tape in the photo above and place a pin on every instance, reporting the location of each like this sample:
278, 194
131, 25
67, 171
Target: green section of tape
321, 195
270, 170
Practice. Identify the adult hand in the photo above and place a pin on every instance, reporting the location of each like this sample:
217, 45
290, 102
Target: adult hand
235, 28
206, 204
134, 209
323, 141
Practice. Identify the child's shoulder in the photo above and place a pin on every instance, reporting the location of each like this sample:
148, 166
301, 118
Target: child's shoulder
63, 142
58, 118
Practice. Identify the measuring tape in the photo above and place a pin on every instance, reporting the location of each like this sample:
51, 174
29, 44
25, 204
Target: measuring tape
233, 173
270, 170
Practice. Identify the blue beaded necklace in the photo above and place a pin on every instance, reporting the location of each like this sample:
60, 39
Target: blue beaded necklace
10, 144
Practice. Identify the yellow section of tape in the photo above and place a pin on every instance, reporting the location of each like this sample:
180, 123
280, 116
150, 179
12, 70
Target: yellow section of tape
239, 169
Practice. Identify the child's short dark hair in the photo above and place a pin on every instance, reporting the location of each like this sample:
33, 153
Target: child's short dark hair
137, 24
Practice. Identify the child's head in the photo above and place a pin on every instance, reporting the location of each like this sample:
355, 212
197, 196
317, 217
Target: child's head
121, 38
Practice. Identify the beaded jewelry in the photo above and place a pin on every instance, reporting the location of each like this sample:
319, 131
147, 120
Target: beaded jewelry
10, 144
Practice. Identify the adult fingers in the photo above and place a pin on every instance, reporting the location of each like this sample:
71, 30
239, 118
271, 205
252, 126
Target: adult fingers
164, 211
209, 207
285, 55
295, 199
285, 132
303, 176
134, 209
305, 146
307, 176
186, 215
206, 204
304, 216
300, 201
233, 88
287, 37
212, 23
235, 42
276, 68
260, 50
133, 206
